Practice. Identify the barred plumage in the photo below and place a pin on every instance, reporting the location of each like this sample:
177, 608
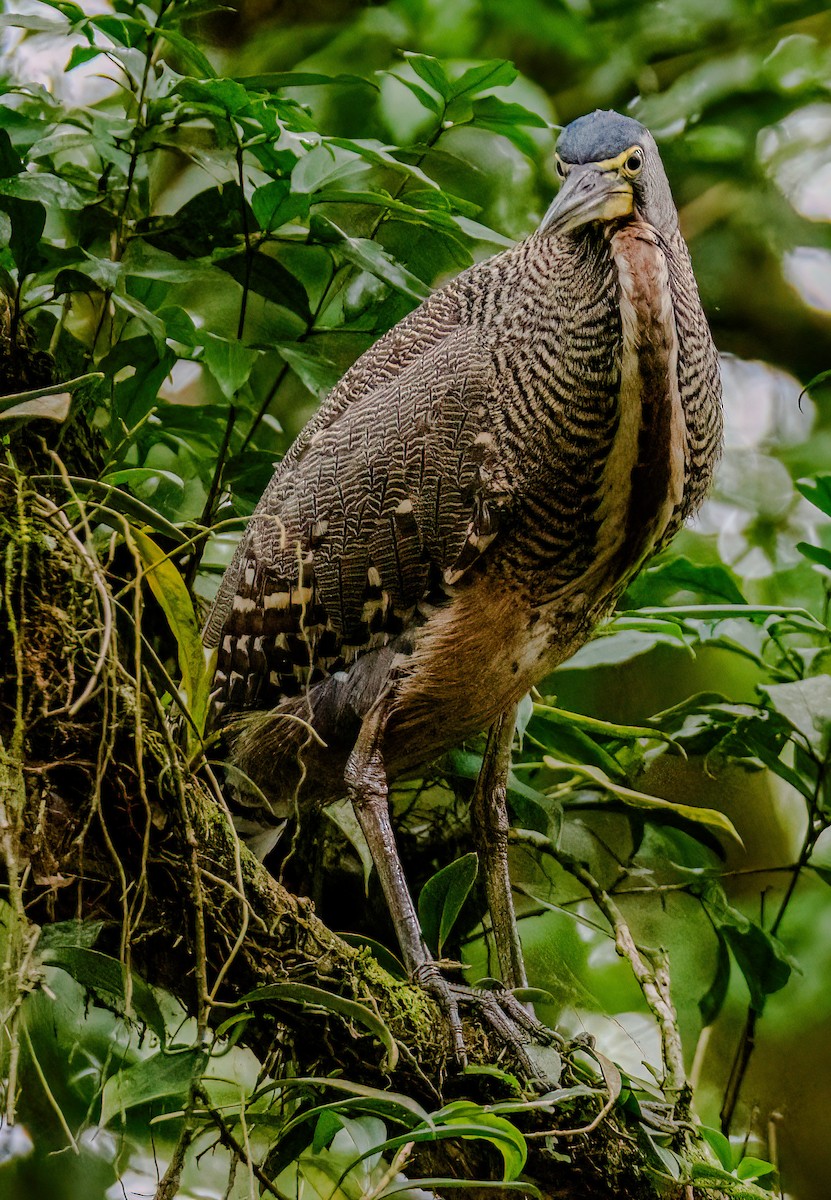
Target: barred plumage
469, 502
472, 497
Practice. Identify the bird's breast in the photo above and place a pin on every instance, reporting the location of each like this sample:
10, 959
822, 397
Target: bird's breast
642, 483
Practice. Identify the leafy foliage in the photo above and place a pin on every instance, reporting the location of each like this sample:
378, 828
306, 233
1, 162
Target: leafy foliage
203, 254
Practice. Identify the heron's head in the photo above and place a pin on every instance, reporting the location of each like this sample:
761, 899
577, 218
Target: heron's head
611, 171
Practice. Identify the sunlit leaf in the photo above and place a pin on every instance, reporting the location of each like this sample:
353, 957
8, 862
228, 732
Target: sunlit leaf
501, 1133
48, 408
679, 575
229, 361
482, 77
698, 816
169, 589
431, 71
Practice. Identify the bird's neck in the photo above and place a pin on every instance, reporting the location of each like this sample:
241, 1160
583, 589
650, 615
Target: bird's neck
643, 481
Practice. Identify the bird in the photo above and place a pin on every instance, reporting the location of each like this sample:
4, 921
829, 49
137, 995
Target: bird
469, 502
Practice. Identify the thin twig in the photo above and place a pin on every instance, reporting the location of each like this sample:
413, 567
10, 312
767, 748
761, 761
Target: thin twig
206, 519
582, 1129
652, 976
230, 1143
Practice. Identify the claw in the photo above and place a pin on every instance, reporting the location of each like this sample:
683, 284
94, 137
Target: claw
428, 977
497, 1007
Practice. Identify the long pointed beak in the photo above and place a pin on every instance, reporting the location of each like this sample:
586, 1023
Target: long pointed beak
588, 194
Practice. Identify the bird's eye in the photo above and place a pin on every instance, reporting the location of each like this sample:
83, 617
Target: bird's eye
634, 162
561, 171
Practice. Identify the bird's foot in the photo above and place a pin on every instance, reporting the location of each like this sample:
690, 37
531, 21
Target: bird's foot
499, 1009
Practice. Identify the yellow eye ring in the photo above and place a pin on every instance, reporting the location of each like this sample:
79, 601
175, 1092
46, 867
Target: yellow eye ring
634, 161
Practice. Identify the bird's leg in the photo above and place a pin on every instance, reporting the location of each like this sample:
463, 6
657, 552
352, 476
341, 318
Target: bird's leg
489, 824
366, 781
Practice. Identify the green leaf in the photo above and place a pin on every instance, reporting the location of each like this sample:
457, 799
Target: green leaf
431, 71
111, 497
28, 220
726, 1184
384, 957
267, 277
49, 190
402, 1107
191, 56
816, 554
318, 373
531, 808
314, 997
596, 727
159, 1077
442, 898
505, 1077
229, 361
70, 933
426, 99
54, 407
222, 94
806, 706
33, 23
135, 476
508, 120
145, 261
83, 54
274, 205
10, 161
719, 1144
497, 112
698, 816
495, 1129
494, 73
564, 739
761, 958
817, 488
342, 814
712, 1002
102, 974
170, 591
445, 1183
621, 645
209, 219
134, 308
430, 216
371, 257
13, 399
272, 81
754, 1168
663, 583
124, 30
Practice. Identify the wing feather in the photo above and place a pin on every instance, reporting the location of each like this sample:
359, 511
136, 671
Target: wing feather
364, 515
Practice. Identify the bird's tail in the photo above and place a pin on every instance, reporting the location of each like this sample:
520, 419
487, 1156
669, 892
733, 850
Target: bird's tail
294, 755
